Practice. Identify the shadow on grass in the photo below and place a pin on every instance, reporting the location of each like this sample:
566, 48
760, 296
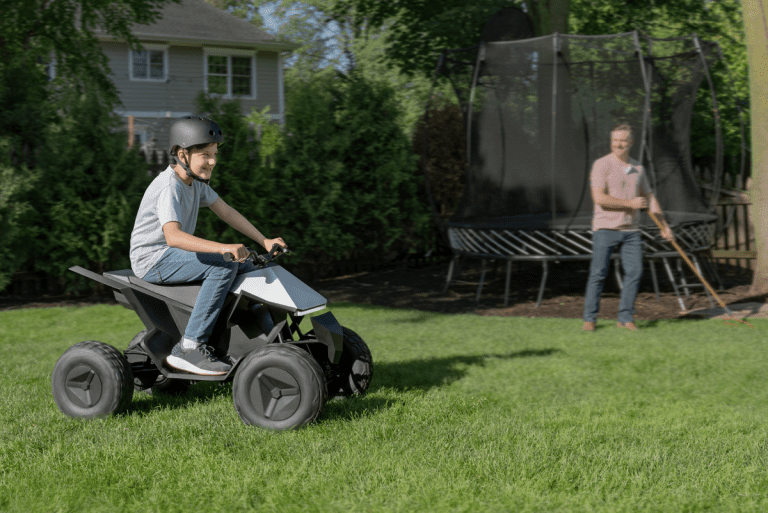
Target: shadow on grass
201, 391
421, 374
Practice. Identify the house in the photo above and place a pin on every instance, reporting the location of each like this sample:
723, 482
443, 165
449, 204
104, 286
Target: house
193, 47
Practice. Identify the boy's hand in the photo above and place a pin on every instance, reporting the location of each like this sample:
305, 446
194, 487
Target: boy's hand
239, 251
268, 243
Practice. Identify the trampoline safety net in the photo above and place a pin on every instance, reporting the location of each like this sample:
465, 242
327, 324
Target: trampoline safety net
540, 111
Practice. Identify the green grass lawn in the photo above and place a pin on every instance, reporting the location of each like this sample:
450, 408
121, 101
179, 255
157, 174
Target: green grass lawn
465, 413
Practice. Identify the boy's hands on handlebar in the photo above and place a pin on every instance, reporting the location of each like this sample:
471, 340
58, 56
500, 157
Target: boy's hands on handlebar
238, 251
268, 243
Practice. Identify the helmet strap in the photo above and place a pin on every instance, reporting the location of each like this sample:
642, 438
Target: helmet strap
189, 171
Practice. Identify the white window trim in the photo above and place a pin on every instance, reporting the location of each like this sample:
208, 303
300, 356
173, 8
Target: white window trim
156, 48
230, 52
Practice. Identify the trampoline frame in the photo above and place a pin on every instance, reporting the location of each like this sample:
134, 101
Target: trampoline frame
576, 245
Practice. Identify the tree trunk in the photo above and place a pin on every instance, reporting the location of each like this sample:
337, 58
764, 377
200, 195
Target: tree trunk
756, 23
549, 16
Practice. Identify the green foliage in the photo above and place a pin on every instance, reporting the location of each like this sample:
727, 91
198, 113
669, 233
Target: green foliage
421, 30
447, 150
92, 188
15, 227
25, 112
245, 10
58, 204
348, 179
271, 133
239, 178
41, 29
720, 22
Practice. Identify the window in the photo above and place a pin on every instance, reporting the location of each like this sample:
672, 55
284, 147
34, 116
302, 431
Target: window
230, 73
150, 64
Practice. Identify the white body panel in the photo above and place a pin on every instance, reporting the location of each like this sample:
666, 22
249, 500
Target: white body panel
276, 286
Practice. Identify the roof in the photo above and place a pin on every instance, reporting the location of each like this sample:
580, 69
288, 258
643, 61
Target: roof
195, 21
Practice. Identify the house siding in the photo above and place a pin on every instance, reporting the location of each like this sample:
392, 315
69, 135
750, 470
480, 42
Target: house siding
156, 104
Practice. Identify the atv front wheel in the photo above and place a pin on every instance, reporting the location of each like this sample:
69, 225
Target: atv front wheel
92, 379
352, 375
279, 386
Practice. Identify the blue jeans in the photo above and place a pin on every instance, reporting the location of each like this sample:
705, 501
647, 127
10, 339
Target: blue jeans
603, 243
179, 266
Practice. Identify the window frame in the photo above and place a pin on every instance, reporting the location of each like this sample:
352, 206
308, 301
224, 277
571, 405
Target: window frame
229, 53
149, 48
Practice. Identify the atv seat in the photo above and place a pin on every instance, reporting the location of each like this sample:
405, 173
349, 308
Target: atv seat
184, 293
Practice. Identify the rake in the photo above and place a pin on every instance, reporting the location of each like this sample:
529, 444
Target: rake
699, 276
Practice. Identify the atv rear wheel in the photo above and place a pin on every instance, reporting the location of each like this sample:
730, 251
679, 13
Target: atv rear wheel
92, 379
279, 386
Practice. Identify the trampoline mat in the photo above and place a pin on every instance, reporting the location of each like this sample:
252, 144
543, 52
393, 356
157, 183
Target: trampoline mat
564, 221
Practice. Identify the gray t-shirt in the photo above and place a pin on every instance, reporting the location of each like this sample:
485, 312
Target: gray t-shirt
166, 199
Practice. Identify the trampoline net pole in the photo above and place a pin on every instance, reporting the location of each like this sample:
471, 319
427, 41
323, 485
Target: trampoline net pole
555, 51
647, 105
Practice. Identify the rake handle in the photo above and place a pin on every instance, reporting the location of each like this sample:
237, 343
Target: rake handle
690, 264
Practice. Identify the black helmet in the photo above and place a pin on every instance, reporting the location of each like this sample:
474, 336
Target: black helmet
191, 131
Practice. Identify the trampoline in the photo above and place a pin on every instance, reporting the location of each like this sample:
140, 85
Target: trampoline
539, 112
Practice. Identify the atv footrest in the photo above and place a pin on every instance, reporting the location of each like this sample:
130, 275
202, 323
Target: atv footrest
195, 377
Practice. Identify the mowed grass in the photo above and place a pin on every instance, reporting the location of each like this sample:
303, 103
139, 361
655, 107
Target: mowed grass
465, 413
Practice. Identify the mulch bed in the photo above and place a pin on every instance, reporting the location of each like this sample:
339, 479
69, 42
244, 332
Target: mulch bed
422, 289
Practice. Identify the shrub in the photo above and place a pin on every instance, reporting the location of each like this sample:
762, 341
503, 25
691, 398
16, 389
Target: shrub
91, 186
347, 179
446, 173
25, 112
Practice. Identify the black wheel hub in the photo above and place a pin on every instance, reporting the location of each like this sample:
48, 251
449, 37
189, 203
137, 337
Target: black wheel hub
276, 394
83, 386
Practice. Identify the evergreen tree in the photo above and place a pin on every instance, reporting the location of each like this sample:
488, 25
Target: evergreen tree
347, 183
89, 190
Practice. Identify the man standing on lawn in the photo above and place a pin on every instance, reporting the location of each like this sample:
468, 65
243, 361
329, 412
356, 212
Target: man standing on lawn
619, 190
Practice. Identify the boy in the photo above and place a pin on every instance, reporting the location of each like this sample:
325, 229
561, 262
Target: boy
164, 249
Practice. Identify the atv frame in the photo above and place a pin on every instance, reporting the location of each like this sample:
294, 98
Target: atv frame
281, 376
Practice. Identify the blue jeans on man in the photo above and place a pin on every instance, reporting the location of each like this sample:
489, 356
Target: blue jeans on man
603, 244
179, 266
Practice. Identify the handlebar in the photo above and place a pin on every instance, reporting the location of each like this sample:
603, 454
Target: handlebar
257, 259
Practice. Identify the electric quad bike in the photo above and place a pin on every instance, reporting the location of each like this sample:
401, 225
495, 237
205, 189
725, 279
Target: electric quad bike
281, 377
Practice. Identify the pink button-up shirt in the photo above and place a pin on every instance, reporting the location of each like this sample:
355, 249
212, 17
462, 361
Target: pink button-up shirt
622, 181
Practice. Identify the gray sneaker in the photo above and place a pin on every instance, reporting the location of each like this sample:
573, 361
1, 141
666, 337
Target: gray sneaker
197, 361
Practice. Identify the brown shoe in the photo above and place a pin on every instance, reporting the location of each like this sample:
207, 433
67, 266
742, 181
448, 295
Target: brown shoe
628, 325
588, 326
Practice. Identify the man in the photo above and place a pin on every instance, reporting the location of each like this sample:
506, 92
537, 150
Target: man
164, 249
619, 190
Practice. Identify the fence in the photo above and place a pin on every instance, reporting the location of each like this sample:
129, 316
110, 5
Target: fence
157, 160
736, 244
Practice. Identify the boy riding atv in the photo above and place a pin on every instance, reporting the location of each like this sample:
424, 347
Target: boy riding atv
164, 249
